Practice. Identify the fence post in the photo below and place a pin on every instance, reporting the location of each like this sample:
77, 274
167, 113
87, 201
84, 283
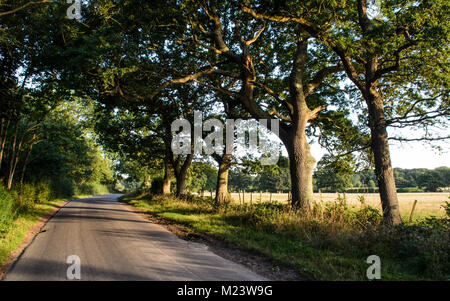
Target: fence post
412, 210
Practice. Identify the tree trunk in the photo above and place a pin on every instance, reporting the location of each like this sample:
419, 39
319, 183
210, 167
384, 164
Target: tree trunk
181, 174
30, 149
383, 167
301, 162
222, 195
301, 165
13, 161
1, 142
181, 184
166, 181
3, 138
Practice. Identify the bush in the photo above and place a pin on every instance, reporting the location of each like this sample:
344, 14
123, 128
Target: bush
7, 208
43, 192
361, 190
91, 189
25, 197
409, 189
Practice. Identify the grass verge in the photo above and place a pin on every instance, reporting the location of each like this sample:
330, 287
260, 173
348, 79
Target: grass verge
13, 233
332, 242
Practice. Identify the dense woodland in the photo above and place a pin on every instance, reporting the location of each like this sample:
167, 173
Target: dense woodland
90, 100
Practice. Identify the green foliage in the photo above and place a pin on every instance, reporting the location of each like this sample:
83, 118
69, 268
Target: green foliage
21, 208
43, 192
25, 197
201, 177
62, 188
239, 179
91, 189
7, 209
447, 208
254, 177
273, 181
431, 180
66, 152
334, 173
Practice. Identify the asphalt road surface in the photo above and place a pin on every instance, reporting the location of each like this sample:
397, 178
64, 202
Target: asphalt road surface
114, 243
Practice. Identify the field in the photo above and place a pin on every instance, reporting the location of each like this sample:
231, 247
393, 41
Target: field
427, 203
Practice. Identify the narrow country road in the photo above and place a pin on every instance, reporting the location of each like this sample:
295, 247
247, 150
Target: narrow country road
114, 243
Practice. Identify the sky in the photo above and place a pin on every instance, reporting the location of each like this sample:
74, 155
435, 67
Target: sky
407, 155
418, 154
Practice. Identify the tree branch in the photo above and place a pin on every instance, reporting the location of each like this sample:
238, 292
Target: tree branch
315, 111
320, 76
276, 96
419, 139
316, 32
24, 6
255, 37
379, 73
364, 20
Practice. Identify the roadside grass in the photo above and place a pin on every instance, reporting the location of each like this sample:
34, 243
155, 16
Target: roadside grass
21, 208
331, 242
12, 234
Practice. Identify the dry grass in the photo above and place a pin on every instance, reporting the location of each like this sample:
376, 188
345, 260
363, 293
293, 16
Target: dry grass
428, 204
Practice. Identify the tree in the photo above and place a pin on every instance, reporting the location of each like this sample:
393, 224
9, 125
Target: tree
334, 173
201, 176
240, 179
276, 178
394, 53
431, 180
293, 88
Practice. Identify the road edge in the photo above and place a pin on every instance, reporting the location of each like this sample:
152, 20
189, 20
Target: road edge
33, 231
255, 263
